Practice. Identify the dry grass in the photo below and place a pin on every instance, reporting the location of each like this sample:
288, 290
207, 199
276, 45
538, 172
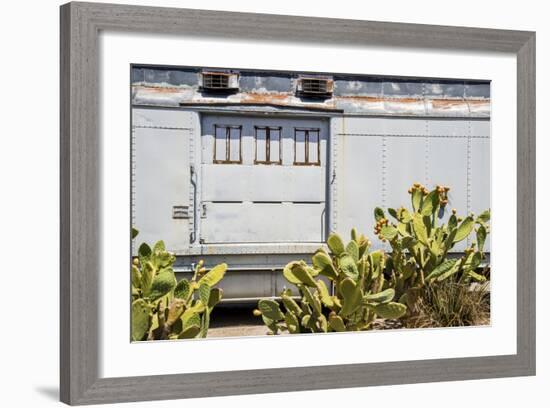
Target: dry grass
451, 304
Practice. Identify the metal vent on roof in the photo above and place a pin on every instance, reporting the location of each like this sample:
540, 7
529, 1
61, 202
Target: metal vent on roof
315, 87
219, 82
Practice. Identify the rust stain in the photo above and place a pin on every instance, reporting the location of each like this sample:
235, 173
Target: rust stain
368, 99
286, 99
479, 102
256, 97
291, 105
444, 104
158, 89
447, 103
378, 99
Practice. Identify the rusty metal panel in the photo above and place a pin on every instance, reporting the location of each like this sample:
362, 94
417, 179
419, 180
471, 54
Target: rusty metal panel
268, 83
351, 94
160, 183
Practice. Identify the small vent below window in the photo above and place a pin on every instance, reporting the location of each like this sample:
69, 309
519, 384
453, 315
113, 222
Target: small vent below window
315, 87
219, 82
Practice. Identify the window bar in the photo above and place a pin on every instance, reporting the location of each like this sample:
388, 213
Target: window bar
306, 143
307, 140
227, 144
280, 143
267, 143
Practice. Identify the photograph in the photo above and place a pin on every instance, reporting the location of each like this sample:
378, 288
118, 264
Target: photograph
269, 202
263, 202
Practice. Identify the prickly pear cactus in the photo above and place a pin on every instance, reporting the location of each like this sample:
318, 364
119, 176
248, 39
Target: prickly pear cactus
343, 289
163, 308
421, 243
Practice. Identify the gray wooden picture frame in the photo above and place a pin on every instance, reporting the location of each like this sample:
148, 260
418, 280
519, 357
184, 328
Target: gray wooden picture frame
80, 237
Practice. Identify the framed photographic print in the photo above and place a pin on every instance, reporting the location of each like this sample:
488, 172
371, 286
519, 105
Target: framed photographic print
284, 202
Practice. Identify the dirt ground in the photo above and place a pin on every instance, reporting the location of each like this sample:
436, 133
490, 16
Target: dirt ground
235, 320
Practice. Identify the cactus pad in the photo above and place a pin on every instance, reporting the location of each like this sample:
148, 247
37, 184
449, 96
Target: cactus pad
390, 310
140, 319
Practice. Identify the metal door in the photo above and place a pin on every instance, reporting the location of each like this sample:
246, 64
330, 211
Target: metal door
161, 180
263, 179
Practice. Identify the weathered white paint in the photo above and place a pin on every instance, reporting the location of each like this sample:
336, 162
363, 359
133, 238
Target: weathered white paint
235, 182
416, 105
481, 173
382, 126
378, 160
277, 210
161, 181
262, 222
359, 158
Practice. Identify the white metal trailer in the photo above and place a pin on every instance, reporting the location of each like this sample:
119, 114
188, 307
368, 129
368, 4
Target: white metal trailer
259, 174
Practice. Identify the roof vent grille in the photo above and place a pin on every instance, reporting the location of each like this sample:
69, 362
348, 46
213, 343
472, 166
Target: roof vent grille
219, 82
315, 87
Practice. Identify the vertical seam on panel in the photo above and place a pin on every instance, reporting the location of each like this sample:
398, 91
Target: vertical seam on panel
469, 171
334, 179
427, 156
273, 288
191, 158
384, 160
426, 141
469, 174
133, 182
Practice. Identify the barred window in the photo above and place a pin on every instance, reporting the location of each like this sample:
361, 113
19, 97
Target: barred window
268, 145
227, 148
306, 147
